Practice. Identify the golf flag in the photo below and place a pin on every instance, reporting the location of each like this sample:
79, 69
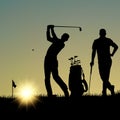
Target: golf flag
13, 84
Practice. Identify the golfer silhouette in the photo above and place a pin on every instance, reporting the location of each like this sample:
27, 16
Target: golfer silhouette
102, 47
51, 62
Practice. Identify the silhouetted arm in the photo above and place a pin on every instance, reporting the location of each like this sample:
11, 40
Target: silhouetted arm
51, 36
53, 33
115, 47
93, 55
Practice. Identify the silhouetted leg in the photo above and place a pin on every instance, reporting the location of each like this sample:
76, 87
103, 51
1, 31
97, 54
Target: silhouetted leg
48, 86
104, 70
104, 91
103, 78
60, 82
112, 90
108, 84
47, 80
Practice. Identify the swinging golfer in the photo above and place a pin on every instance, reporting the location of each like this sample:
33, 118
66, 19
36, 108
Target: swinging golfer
102, 47
51, 62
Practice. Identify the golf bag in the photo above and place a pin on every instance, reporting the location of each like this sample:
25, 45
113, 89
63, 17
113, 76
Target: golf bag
77, 83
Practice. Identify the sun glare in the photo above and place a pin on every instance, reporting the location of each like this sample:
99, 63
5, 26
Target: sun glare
27, 94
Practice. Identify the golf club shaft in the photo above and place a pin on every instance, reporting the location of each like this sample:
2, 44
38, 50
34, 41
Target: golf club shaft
90, 79
68, 26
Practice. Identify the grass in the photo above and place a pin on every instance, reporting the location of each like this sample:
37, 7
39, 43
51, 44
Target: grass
61, 106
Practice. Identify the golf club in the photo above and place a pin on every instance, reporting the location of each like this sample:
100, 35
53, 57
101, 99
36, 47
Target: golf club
75, 59
90, 78
70, 27
71, 59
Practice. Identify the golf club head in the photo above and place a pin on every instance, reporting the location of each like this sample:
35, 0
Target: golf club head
80, 28
71, 58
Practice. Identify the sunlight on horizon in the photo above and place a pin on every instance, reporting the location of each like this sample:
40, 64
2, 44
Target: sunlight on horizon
26, 94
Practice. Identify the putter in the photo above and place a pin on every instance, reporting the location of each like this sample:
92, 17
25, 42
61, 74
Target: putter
90, 78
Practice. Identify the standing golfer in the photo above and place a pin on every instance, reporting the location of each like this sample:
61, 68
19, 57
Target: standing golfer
51, 62
102, 47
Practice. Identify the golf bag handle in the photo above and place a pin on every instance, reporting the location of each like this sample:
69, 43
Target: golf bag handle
85, 85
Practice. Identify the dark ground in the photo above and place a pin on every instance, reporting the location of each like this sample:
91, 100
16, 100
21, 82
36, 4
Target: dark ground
84, 107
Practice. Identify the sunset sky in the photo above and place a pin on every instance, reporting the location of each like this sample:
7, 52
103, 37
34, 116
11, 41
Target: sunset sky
23, 26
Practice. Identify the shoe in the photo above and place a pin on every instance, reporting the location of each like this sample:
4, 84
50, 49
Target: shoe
104, 93
112, 90
52, 96
66, 94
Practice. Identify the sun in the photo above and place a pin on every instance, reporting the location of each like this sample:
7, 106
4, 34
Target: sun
26, 94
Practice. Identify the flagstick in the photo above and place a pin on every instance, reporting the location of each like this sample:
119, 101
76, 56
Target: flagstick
12, 88
12, 91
